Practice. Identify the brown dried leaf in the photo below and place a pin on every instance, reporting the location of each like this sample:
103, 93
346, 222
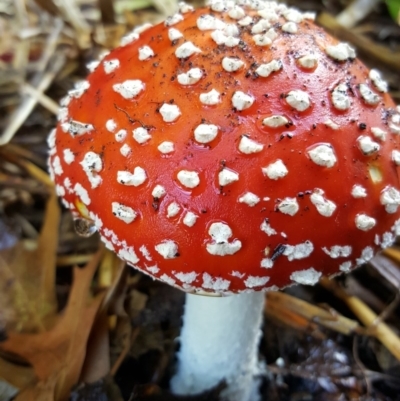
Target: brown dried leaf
27, 278
17, 375
57, 355
43, 391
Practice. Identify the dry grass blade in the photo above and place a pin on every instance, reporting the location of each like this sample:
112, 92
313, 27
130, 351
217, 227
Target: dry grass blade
22, 48
50, 47
36, 173
311, 313
279, 312
27, 154
13, 154
72, 14
376, 328
44, 100
71, 260
21, 113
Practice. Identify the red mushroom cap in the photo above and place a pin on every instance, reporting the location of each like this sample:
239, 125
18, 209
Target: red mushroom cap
233, 148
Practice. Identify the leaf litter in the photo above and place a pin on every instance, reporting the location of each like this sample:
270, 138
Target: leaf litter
76, 324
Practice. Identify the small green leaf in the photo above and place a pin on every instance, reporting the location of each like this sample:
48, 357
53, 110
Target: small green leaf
394, 9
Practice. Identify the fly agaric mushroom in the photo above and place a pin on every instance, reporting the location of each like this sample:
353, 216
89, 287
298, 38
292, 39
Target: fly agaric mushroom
231, 150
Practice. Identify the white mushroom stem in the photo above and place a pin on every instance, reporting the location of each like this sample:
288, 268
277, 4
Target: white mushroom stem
219, 341
355, 12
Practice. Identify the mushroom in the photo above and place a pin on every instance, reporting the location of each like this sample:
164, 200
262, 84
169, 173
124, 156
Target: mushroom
231, 150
